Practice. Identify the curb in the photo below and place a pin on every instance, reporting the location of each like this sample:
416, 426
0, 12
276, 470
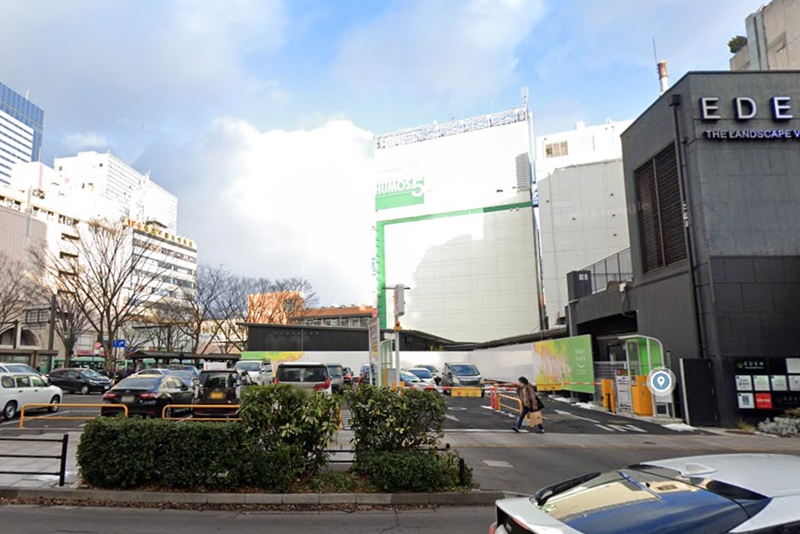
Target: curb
473, 498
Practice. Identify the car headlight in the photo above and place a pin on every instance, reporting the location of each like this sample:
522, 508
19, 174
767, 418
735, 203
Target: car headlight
456, 380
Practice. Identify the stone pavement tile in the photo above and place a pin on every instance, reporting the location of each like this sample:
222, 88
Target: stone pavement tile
25, 483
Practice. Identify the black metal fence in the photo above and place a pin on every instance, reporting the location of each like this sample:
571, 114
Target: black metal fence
62, 470
611, 271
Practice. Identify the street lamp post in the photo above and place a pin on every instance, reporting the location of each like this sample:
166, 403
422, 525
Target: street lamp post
399, 311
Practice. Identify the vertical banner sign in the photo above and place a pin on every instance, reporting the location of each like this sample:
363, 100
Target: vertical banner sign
564, 364
374, 339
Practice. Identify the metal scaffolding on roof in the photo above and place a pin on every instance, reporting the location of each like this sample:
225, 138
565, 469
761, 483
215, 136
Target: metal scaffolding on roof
435, 130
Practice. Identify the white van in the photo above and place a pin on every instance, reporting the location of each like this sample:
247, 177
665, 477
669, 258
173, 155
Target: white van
19, 389
260, 371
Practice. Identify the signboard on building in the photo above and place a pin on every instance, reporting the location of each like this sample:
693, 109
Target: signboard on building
399, 192
767, 383
564, 364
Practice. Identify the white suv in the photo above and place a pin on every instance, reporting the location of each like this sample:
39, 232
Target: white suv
260, 372
307, 375
19, 389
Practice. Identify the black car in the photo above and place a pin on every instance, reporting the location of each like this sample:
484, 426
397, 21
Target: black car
148, 395
461, 374
75, 379
219, 388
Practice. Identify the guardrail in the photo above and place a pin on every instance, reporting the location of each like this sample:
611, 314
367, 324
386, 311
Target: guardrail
22, 416
62, 468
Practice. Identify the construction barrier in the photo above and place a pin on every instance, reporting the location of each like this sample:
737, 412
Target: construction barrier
23, 417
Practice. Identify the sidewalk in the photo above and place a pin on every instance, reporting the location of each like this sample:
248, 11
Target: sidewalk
39, 464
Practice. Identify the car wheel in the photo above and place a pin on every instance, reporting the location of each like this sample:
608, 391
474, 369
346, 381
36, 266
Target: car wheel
168, 412
55, 400
10, 410
84, 389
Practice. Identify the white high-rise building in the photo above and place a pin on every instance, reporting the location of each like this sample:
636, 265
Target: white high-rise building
582, 206
456, 225
132, 193
21, 125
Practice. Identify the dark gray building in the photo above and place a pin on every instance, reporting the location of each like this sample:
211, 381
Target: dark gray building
718, 283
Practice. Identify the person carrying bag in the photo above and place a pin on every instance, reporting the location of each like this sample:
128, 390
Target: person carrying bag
530, 403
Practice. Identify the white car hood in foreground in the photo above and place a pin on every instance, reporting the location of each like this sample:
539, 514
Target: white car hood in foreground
529, 515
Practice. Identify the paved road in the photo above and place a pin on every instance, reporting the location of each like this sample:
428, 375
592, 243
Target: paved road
473, 414
54, 520
46, 421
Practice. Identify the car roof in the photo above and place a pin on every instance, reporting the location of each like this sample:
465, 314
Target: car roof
766, 474
304, 364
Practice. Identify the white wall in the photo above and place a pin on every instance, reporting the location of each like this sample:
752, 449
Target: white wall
583, 218
585, 144
472, 275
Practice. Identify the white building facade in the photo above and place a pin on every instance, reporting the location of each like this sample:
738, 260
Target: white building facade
773, 38
455, 223
582, 207
16, 145
121, 190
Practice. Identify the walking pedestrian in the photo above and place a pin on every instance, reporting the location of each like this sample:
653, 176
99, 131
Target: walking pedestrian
530, 403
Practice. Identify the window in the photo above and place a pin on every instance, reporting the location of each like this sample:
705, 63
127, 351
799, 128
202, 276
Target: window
660, 213
23, 382
7, 382
556, 150
37, 382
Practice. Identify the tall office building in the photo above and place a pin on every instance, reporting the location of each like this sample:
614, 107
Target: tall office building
773, 38
132, 193
21, 126
456, 225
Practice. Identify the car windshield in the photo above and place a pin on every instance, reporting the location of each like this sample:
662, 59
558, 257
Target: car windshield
630, 500
221, 379
252, 367
335, 371
409, 377
139, 382
421, 373
465, 370
89, 373
19, 368
430, 368
287, 373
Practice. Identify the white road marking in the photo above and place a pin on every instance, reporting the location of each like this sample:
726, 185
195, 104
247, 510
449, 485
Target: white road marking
635, 428
576, 416
605, 428
451, 417
498, 463
486, 430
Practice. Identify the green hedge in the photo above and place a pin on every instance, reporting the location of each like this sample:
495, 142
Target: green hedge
128, 453
395, 420
419, 471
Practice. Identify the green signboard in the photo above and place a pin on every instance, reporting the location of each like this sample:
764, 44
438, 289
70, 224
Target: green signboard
400, 192
564, 364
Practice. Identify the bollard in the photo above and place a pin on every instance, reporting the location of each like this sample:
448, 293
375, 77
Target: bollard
462, 472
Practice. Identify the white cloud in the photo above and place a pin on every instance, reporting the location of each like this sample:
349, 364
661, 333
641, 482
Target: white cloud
285, 203
449, 47
85, 141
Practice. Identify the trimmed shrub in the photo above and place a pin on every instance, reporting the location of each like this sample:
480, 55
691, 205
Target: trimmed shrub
287, 415
385, 420
120, 453
420, 471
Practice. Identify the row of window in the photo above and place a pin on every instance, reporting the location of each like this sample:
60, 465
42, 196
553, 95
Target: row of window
556, 150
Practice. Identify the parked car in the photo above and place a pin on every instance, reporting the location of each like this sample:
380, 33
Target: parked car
187, 377
461, 374
747, 493
347, 376
184, 367
437, 377
75, 379
424, 375
152, 371
148, 395
307, 375
19, 389
336, 372
260, 371
219, 388
17, 368
413, 381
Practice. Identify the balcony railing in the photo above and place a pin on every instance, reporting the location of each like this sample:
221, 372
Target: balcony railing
611, 271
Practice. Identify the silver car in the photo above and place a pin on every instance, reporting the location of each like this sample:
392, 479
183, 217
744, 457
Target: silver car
306, 375
743, 493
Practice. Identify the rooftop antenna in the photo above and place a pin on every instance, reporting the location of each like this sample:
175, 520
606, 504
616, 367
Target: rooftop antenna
524, 95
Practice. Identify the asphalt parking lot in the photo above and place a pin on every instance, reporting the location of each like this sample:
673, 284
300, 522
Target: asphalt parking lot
475, 415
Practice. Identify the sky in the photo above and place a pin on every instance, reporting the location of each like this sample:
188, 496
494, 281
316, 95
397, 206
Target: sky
259, 115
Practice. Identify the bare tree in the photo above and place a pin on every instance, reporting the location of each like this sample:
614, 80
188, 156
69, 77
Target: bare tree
16, 289
231, 311
112, 275
203, 303
282, 301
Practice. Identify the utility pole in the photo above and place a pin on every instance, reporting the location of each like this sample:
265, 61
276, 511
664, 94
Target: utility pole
53, 307
399, 311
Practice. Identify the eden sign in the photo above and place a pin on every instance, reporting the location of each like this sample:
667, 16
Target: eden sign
745, 108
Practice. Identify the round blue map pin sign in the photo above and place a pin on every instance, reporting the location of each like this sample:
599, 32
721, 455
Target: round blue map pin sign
661, 382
